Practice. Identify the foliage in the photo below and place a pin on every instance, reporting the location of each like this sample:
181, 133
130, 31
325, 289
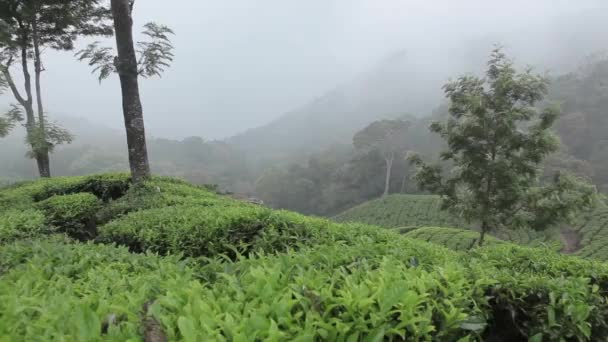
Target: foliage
154, 55
396, 211
217, 229
408, 213
57, 290
46, 137
10, 119
387, 136
496, 141
590, 229
27, 28
59, 23
456, 239
295, 278
21, 224
72, 214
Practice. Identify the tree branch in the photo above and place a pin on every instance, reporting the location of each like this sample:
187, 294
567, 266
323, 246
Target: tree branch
12, 86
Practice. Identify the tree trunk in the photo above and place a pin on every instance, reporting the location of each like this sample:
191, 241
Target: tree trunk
403, 182
387, 180
126, 65
482, 234
42, 156
26, 103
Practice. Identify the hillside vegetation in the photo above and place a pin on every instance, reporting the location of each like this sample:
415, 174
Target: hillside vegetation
96, 258
398, 211
420, 216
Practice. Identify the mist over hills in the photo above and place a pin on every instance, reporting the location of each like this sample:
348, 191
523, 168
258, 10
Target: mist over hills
409, 82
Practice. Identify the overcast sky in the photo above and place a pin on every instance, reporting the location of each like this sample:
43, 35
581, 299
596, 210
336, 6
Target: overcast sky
242, 63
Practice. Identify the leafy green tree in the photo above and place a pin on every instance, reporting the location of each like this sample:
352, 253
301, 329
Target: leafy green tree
148, 60
386, 137
27, 27
496, 141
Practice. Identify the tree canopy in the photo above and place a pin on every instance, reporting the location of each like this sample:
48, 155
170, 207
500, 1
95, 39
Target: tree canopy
496, 141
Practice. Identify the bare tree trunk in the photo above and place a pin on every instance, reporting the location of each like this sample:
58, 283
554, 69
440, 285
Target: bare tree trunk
403, 182
44, 165
126, 65
482, 234
387, 180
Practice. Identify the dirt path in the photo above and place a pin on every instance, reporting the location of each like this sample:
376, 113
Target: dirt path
571, 240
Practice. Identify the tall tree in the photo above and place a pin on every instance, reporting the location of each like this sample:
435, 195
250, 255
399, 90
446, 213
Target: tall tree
26, 28
497, 140
149, 60
386, 137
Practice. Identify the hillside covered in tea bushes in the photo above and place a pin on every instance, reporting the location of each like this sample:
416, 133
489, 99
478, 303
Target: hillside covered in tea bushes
420, 216
99, 259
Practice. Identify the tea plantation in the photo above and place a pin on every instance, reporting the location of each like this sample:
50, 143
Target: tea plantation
99, 259
407, 213
397, 211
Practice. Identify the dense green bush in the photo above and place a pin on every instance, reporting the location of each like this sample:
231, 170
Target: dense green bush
23, 195
159, 194
544, 293
54, 290
209, 231
364, 290
21, 224
105, 187
261, 274
72, 214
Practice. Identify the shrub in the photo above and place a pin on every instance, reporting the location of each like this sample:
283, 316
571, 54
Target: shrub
105, 187
54, 290
158, 194
24, 195
21, 224
204, 231
286, 277
72, 214
332, 293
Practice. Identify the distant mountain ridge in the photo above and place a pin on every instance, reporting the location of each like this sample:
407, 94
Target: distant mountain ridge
385, 92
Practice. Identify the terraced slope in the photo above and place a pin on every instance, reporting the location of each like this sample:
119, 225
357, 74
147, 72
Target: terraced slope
591, 234
99, 259
397, 211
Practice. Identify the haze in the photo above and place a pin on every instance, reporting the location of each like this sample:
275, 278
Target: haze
242, 63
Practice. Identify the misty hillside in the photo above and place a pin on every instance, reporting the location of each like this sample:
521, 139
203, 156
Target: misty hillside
409, 82
387, 91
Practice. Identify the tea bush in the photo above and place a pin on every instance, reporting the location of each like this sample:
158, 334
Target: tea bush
21, 224
232, 271
592, 229
55, 290
394, 290
72, 214
157, 194
208, 231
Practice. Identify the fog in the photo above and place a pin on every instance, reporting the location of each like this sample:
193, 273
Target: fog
242, 63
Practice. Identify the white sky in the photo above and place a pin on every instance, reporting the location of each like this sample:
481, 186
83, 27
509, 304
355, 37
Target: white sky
242, 63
